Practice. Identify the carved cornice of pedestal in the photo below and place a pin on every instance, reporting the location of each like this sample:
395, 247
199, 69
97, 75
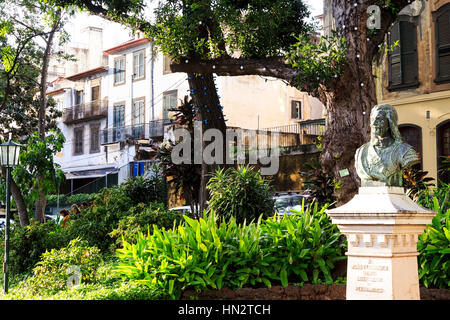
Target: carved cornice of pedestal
381, 221
382, 245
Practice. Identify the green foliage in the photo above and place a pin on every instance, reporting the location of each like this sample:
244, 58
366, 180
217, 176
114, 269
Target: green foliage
415, 180
105, 286
64, 200
255, 29
202, 254
243, 194
184, 178
317, 182
55, 268
23, 26
141, 218
147, 189
262, 28
434, 243
321, 62
437, 199
27, 244
94, 223
35, 160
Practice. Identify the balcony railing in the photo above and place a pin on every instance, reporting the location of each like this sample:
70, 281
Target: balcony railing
96, 109
291, 136
152, 130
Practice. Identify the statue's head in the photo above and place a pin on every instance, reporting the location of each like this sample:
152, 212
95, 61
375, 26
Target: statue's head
384, 122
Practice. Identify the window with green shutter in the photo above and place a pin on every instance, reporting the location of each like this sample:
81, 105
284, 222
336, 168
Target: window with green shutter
139, 65
442, 28
169, 102
402, 56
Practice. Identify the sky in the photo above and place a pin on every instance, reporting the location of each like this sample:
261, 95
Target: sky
85, 20
316, 6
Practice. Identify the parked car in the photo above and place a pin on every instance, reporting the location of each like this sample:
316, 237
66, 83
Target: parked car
3, 222
286, 203
183, 209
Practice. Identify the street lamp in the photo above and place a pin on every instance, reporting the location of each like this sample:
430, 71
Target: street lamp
9, 157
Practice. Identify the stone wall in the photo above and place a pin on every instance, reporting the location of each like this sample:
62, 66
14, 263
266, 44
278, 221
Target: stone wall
307, 292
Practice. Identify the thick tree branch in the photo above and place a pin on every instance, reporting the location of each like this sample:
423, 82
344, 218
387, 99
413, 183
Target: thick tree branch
274, 67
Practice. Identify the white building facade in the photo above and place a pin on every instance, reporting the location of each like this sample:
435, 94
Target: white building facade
116, 100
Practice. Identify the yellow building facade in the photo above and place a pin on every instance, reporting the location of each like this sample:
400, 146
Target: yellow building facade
413, 75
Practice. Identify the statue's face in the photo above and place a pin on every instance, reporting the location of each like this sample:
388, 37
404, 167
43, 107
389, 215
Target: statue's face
380, 124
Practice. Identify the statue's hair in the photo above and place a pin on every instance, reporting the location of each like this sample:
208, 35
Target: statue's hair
391, 115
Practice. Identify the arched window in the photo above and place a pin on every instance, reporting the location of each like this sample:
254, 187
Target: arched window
442, 27
412, 135
443, 151
403, 61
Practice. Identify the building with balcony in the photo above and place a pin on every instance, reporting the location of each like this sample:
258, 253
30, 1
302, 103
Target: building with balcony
116, 101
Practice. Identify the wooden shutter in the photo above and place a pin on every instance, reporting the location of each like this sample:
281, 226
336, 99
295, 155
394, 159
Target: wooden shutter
443, 43
95, 93
395, 57
408, 47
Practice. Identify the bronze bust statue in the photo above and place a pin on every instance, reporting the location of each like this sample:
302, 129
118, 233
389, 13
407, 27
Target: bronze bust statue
380, 161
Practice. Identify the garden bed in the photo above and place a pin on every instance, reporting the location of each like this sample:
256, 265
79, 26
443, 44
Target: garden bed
307, 292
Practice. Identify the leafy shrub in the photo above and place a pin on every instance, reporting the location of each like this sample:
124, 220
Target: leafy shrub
202, 254
27, 244
64, 200
140, 219
53, 271
94, 223
434, 243
242, 194
320, 185
151, 188
105, 286
415, 180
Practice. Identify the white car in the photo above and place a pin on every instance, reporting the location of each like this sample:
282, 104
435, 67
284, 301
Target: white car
182, 209
3, 222
287, 203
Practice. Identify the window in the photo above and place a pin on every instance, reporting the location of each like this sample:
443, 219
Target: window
95, 138
138, 119
78, 97
78, 141
442, 28
139, 66
138, 112
166, 64
119, 71
402, 57
119, 115
169, 103
412, 135
78, 108
95, 99
118, 122
443, 151
296, 109
95, 93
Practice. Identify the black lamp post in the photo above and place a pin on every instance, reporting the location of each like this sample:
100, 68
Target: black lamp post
9, 157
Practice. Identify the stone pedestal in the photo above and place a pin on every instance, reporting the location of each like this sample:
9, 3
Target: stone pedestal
382, 225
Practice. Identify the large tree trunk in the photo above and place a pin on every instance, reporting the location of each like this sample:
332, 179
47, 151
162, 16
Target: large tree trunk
19, 200
41, 203
349, 103
209, 114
